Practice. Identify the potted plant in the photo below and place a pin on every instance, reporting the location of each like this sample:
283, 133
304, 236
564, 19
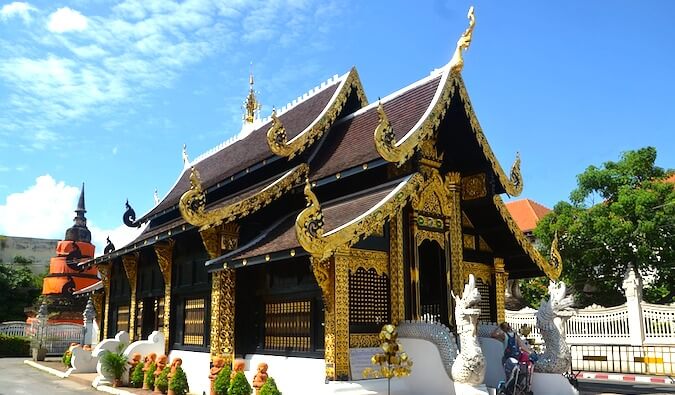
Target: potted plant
222, 382
115, 364
178, 384
239, 385
67, 358
136, 379
269, 388
149, 383
162, 381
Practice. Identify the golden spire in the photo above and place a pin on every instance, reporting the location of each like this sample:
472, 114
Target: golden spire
251, 104
457, 62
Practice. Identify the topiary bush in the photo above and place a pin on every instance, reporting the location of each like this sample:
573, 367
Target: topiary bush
269, 388
222, 383
66, 358
178, 383
14, 346
150, 376
136, 379
239, 385
162, 381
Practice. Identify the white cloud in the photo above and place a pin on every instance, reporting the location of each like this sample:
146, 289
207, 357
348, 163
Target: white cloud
45, 210
66, 19
17, 9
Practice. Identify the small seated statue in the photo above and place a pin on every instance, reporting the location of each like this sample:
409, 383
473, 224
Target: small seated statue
161, 364
260, 378
149, 360
238, 366
135, 360
174, 365
218, 365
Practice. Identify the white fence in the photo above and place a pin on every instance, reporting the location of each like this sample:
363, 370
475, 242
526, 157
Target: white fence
608, 325
13, 328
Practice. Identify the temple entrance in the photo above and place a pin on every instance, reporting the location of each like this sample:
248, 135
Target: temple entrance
433, 289
150, 316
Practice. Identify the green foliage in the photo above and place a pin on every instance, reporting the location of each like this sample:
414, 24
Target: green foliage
19, 289
620, 213
222, 383
239, 385
269, 388
534, 290
21, 260
162, 381
66, 358
150, 375
114, 363
136, 378
178, 383
14, 346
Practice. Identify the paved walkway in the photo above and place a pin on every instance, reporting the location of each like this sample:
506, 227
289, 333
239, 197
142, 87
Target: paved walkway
19, 378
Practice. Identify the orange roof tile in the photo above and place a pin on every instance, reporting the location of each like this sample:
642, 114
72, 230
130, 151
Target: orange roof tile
526, 213
671, 179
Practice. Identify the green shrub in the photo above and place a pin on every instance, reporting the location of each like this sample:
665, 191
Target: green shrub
14, 346
239, 385
269, 388
150, 376
114, 363
222, 383
178, 383
66, 358
136, 378
162, 381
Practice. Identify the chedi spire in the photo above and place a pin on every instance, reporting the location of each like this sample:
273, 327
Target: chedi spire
79, 230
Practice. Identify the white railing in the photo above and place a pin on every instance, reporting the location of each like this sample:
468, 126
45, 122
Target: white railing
58, 337
607, 325
13, 328
659, 323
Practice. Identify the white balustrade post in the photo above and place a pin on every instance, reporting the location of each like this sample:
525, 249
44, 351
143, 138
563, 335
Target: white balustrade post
632, 285
89, 314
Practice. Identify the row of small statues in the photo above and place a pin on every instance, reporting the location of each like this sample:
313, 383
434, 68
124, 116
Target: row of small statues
238, 366
159, 363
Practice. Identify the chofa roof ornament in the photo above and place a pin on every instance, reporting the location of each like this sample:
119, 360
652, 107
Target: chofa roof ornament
457, 61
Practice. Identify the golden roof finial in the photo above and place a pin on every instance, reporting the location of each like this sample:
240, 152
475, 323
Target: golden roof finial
457, 62
251, 104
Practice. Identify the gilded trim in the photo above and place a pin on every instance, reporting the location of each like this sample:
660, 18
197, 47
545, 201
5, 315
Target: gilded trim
555, 259
276, 135
367, 259
456, 236
364, 340
550, 270
342, 315
396, 279
457, 61
192, 204
130, 263
481, 271
164, 252
309, 223
324, 275
104, 270
500, 288
474, 186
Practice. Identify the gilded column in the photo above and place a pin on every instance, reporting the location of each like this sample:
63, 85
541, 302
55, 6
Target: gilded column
223, 284
342, 316
500, 288
130, 263
415, 306
164, 252
453, 185
104, 271
397, 287
324, 275
97, 299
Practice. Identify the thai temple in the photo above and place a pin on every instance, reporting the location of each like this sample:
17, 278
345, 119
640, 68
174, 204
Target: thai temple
298, 240
66, 276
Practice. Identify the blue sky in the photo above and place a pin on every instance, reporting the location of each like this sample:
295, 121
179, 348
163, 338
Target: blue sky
107, 92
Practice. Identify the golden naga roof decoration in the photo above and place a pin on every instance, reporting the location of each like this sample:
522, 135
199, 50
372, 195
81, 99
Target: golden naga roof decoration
276, 135
457, 61
192, 204
400, 151
551, 269
513, 185
555, 259
309, 223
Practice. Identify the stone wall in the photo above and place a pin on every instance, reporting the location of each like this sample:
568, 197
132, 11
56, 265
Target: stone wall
37, 250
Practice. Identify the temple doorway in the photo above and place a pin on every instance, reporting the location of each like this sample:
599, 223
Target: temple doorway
432, 283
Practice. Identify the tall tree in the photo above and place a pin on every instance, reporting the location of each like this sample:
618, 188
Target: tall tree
19, 288
621, 213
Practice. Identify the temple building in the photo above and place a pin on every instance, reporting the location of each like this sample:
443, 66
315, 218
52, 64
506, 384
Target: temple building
66, 275
323, 222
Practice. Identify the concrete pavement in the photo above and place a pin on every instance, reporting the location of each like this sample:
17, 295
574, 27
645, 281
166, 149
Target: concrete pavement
607, 387
19, 378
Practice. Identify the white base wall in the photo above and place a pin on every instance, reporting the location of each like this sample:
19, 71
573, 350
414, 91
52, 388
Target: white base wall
293, 375
551, 384
196, 366
493, 352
